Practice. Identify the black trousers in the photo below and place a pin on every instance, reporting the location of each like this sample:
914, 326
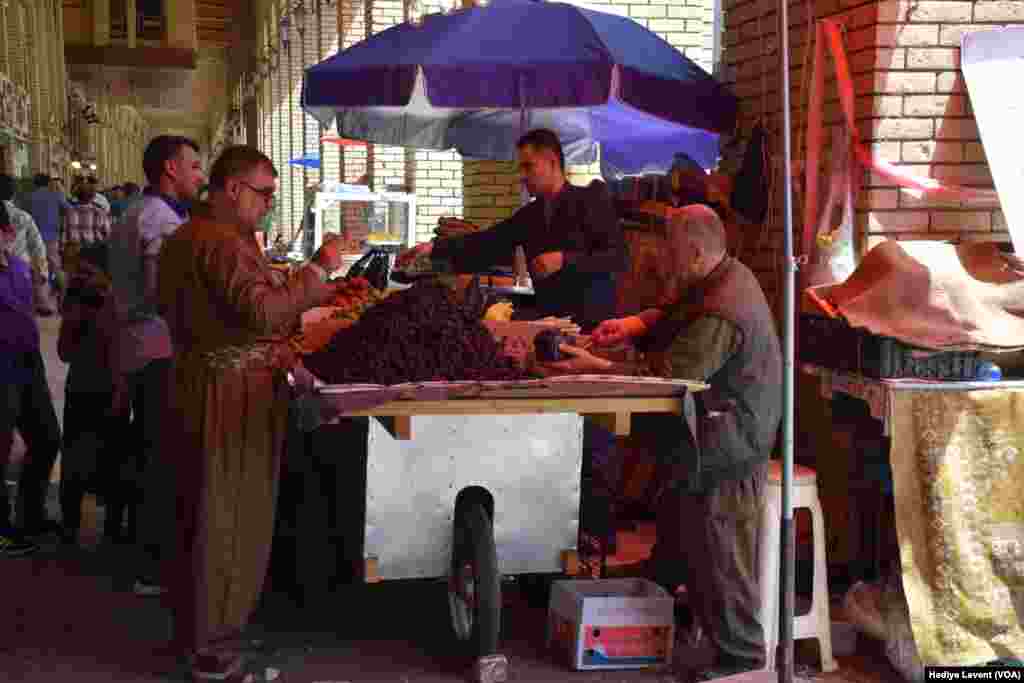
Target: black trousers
93, 447
154, 476
28, 407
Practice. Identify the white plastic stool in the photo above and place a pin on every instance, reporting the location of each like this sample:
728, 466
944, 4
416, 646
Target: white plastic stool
817, 623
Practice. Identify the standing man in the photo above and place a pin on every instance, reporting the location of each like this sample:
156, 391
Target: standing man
25, 401
47, 206
720, 330
230, 315
571, 235
28, 245
574, 247
84, 223
174, 172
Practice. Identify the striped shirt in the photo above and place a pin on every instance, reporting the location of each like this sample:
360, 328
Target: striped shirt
86, 223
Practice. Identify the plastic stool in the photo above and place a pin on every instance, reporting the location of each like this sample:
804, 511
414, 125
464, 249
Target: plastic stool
817, 623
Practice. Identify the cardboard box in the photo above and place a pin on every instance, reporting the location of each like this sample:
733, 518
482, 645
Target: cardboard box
612, 624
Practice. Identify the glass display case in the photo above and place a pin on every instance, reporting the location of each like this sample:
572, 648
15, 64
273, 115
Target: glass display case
363, 218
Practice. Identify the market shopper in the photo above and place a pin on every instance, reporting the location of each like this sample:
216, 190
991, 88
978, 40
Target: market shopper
229, 314
25, 401
84, 224
720, 330
29, 246
47, 207
174, 172
94, 426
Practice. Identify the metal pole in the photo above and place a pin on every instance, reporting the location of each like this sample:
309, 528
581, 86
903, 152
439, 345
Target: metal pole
784, 653
320, 56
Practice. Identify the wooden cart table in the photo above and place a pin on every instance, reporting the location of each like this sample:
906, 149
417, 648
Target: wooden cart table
473, 488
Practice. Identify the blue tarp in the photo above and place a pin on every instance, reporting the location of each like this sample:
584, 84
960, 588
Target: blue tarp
308, 160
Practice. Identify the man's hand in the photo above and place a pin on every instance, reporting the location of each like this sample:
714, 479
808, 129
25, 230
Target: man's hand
410, 255
612, 332
548, 263
328, 256
582, 361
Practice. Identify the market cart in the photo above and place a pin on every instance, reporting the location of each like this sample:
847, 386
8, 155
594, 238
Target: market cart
472, 481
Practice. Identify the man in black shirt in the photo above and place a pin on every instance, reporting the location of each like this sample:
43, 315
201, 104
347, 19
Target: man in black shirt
571, 237
574, 247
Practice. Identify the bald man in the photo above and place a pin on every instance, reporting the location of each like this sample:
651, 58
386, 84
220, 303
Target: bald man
719, 329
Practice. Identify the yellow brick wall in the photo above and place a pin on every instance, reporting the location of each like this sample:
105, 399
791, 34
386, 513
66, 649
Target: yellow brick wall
912, 107
443, 182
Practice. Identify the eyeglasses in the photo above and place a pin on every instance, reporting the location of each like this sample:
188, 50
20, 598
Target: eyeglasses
266, 192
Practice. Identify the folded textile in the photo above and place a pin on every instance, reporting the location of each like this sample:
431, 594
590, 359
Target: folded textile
923, 294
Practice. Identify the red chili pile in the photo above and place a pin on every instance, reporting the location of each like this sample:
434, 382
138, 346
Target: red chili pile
420, 334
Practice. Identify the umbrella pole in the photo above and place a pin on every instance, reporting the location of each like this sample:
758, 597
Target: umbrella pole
784, 656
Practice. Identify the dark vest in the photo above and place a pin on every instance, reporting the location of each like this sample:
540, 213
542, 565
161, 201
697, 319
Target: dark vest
739, 415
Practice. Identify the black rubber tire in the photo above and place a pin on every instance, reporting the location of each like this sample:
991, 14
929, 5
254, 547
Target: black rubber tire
473, 543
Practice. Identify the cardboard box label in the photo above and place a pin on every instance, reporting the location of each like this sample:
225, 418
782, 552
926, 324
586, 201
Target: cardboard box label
625, 644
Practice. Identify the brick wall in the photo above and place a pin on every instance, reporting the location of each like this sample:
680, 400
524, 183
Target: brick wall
352, 28
934, 133
330, 162
912, 108
437, 176
388, 162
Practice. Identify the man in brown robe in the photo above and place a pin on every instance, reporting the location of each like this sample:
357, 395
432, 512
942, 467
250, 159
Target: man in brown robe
229, 314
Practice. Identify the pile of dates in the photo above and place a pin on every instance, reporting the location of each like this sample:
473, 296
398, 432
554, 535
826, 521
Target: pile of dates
424, 333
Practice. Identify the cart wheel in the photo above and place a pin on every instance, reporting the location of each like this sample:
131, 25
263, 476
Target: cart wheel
474, 588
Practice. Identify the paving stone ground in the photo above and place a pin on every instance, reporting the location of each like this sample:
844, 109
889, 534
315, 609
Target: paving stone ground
69, 616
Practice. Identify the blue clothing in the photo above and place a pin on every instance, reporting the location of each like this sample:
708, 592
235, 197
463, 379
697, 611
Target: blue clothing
45, 206
18, 329
179, 207
19, 334
117, 208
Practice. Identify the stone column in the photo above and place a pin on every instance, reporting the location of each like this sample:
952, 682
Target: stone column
101, 22
39, 150
5, 64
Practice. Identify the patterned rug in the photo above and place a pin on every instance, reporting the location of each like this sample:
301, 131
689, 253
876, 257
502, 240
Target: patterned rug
958, 472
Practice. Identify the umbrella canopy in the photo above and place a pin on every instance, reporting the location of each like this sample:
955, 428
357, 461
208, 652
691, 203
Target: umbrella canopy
474, 79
